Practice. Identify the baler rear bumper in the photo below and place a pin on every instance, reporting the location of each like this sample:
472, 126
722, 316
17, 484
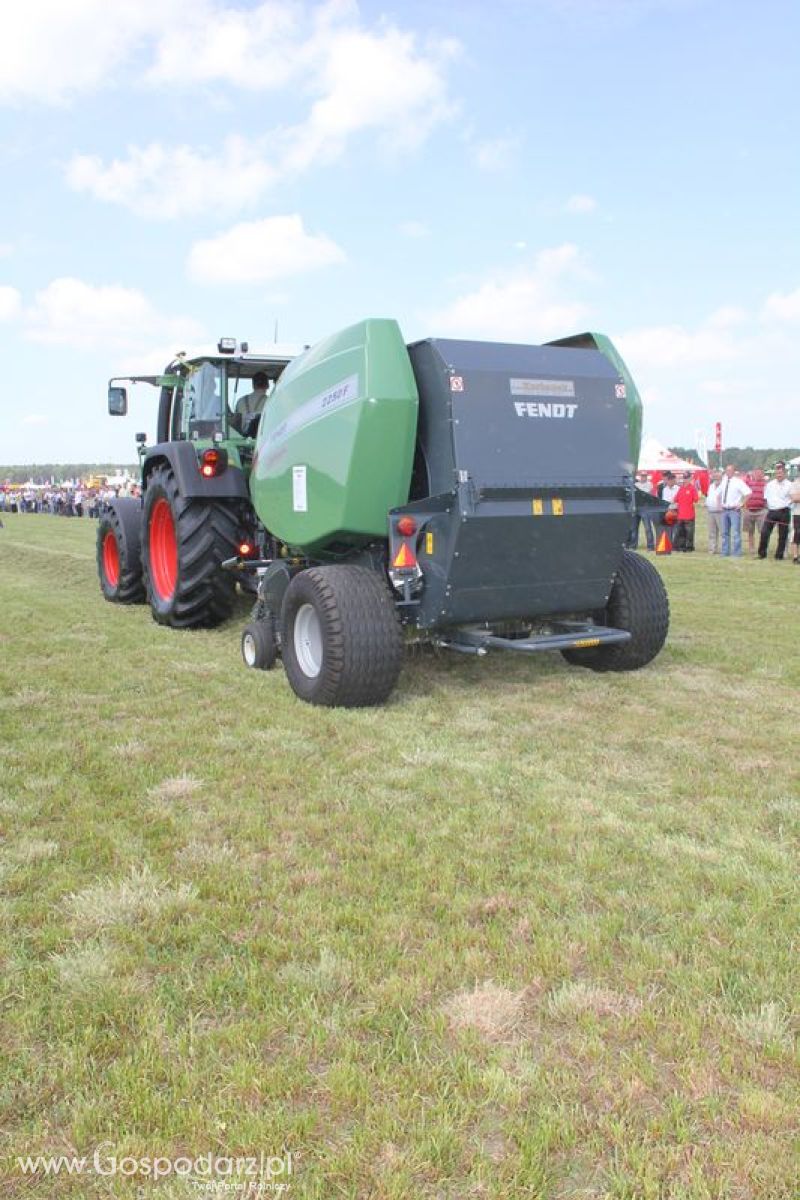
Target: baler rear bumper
570, 635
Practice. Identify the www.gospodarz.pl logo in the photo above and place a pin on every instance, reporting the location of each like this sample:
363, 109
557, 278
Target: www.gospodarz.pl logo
248, 1175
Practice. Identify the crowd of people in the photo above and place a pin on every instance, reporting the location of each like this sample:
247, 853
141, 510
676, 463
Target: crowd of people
749, 505
738, 506
63, 500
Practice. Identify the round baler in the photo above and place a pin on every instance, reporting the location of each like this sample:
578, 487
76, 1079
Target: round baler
471, 494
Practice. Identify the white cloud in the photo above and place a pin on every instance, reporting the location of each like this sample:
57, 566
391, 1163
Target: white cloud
528, 304
163, 182
260, 251
73, 313
35, 419
782, 306
254, 49
496, 154
581, 204
352, 80
727, 367
379, 81
51, 49
727, 317
10, 303
676, 346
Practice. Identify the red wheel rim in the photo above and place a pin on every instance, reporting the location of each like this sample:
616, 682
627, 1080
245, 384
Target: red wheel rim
163, 550
111, 559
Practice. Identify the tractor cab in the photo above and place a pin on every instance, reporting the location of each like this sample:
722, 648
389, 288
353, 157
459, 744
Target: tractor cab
204, 399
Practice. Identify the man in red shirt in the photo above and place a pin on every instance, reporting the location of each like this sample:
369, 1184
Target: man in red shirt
755, 507
685, 500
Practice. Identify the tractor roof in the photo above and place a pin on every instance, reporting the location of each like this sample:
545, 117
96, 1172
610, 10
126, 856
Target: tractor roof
276, 355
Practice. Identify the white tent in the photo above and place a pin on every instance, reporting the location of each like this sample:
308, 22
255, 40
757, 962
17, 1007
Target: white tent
794, 462
655, 457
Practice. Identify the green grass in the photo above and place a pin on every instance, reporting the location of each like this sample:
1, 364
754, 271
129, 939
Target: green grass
526, 931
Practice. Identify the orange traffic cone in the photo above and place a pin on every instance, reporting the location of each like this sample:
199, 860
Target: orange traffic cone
664, 544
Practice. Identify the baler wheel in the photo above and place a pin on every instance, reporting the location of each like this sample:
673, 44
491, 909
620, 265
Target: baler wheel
184, 541
638, 603
118, 561
341, 641
259, 649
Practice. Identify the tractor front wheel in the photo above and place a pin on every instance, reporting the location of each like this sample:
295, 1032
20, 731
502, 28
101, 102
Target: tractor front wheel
341, 641
184, 542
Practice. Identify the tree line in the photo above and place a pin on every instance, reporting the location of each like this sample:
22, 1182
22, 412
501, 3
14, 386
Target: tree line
741, 456
58, 472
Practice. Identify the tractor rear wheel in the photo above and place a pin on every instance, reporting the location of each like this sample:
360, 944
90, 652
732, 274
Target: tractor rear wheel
119, 563
184, 542
638, 603
341, 641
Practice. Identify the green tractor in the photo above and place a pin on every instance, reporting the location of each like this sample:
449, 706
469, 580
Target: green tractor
167, 547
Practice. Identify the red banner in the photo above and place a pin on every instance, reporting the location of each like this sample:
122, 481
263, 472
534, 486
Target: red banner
718, 436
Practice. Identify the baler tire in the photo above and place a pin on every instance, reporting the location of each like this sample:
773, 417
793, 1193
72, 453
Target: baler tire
184, 540
638, 603
119, 564
259, 648
359, 654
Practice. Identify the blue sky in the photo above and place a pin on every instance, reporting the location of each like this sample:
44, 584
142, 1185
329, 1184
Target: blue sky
184, 169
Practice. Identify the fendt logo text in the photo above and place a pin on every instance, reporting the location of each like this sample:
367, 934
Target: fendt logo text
532, 408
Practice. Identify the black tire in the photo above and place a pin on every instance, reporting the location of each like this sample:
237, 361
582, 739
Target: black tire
119, 562
638, 603
259, 648
185, 586
341, 641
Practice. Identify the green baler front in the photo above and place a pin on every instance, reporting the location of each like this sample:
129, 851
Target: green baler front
335, 446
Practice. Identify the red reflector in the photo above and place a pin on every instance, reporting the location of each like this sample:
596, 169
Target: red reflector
404, 557
406, 526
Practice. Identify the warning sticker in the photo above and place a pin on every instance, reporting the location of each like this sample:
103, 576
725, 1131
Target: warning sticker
542, 387
456, 383
620, 391
299, 489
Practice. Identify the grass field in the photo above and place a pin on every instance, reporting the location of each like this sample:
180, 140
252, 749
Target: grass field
526, 931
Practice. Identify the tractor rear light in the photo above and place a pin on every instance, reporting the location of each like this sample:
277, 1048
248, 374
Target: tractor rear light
213, 462
246, 549
406, 526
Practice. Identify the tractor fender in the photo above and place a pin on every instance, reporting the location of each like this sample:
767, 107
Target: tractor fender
129, 512
182, 458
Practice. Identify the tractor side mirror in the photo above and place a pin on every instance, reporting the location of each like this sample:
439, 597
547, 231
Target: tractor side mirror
117, 402
141, 438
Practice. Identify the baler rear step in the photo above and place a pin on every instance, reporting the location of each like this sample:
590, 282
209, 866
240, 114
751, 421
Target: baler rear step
571, 636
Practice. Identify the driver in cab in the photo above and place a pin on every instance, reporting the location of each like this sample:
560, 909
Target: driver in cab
252, 404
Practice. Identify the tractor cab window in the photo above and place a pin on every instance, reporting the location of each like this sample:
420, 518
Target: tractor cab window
202, 403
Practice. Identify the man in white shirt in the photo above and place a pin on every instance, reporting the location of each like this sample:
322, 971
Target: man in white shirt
796, 522
253, 402
670, 489
733, 492
779, 502
714, 512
